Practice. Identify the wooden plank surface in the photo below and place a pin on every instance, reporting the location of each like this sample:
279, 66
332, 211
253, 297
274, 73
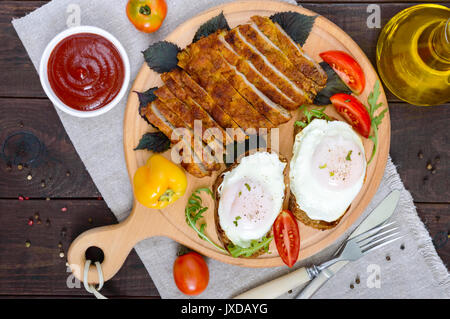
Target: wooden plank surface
18, 77
39, 269
32, 137
422, 130
25, 112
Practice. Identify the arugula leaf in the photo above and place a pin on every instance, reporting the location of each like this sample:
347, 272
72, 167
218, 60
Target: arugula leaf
194, 212
156, 142
311, 114
334, 85
212, 25
255, 245
298, 26
300, 123
372, 100
318, 113
162, 56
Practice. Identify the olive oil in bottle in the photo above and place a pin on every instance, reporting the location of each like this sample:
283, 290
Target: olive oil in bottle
413, 54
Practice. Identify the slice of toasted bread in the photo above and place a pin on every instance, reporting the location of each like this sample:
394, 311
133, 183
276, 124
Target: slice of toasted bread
220, 232
301, 215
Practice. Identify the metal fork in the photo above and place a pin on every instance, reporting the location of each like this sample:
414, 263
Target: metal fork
351, 250
360, 245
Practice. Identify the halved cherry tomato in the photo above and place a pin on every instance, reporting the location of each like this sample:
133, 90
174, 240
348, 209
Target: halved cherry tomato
354, 112
347, 68
191, 273
287, 237
147, 15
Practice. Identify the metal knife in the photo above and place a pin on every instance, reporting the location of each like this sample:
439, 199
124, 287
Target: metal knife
292, 280
377, 217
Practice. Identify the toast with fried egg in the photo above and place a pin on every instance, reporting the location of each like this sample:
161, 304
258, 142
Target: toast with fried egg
327, 171
260, 225
300, 214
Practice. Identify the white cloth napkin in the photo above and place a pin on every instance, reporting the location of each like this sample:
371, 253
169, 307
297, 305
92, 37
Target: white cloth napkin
414, 272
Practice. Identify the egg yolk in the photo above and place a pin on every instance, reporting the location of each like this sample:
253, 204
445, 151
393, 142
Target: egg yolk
248, 203
337, 163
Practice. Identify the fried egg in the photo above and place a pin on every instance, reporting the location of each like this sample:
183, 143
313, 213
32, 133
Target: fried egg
251, 197
327, 169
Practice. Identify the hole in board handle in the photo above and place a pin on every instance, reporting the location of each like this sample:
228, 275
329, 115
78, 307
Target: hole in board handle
94, 254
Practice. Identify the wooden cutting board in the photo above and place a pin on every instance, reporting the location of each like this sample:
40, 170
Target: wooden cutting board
116, 241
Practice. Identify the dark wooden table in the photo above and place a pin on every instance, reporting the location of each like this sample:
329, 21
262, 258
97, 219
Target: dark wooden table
57, 190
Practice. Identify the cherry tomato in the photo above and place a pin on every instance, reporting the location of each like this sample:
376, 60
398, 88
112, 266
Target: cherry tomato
191, 273
347, 68
354, 112
147, 15
287, 237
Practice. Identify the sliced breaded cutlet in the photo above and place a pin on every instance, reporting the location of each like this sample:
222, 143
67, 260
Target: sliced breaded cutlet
197, 112
275, 33
221, 91
277, 58
189, 115
168, 122
202, 97
203, 152
275, 113
190, 161
252, 74
262, 64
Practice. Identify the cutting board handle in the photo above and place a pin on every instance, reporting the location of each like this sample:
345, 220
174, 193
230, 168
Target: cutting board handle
116, 242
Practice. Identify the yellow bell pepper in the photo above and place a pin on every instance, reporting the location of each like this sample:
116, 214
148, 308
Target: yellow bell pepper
159, 182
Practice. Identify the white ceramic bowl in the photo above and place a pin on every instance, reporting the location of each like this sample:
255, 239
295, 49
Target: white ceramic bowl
44, 75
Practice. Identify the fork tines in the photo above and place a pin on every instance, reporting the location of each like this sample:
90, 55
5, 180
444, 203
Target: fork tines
378, 237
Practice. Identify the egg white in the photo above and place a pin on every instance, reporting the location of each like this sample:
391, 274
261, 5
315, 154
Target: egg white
251, 197
327, 169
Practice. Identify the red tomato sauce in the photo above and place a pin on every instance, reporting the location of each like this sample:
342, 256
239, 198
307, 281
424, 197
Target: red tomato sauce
85, 71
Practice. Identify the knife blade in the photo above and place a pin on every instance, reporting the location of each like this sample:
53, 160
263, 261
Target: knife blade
378, 216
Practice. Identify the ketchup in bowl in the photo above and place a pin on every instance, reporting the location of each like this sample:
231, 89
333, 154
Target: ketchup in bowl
85, 71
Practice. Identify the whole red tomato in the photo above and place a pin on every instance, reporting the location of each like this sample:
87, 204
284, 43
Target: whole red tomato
147, 15
191, 273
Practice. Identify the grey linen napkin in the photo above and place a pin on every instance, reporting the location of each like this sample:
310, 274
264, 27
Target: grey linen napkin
413, 272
